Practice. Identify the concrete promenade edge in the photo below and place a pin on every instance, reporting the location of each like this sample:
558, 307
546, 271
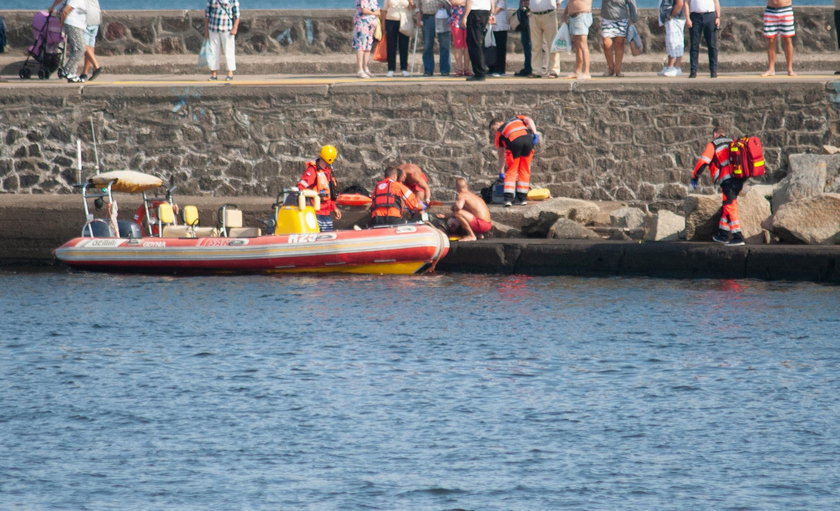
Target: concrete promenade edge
652, 259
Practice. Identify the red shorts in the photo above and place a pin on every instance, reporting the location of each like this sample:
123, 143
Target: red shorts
480, 226
416, 188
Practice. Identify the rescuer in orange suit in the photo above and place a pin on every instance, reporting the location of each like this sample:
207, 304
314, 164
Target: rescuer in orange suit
716, 157
515, 140
390, 200
318, 176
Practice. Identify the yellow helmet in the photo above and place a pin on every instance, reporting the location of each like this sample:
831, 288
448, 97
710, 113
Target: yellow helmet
329, 153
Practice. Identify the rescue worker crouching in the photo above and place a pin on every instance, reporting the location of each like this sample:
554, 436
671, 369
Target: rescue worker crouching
390, 200
716, 157
318, 176
515, 140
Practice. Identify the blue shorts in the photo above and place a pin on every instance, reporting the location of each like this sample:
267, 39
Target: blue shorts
90, 35
325, 223
579, 23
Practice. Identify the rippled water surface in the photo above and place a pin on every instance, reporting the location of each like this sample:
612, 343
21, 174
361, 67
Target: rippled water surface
440, 392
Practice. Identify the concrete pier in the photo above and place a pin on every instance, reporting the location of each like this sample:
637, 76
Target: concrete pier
652, 259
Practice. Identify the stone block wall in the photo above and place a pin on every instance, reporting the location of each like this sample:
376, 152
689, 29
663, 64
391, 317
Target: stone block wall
605, 141
326, 31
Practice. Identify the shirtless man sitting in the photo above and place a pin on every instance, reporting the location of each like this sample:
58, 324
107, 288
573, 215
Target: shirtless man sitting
578, 14
469, 213
411, 176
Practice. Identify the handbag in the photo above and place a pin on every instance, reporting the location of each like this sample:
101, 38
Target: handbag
377, 29
204, 55
406, 24
514, 22
380, 53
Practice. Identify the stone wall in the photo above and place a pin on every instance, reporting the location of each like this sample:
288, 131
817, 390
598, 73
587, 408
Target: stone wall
325, 31
605, 141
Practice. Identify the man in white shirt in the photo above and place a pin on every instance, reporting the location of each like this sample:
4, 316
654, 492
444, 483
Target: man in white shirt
477, 15
543, 23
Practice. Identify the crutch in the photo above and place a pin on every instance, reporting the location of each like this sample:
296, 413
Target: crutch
414, 51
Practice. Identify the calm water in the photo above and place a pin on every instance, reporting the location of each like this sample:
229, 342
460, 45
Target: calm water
440, 392
302, 4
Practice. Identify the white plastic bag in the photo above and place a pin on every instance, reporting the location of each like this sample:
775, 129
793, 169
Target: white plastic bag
204, 55
562, 40
489, 38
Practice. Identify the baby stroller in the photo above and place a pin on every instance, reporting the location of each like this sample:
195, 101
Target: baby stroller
48, 49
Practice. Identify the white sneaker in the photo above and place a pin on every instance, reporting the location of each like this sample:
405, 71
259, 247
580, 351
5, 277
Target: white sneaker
406, 74
495, 75
677, 71
389, 74
673, 71
663, 71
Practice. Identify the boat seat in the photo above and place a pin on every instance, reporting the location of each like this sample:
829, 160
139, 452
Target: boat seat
190, 217
244, 232
230, 217
165, 215
186, 231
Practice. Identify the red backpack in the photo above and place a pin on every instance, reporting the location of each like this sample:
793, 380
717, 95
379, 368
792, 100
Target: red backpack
746, 154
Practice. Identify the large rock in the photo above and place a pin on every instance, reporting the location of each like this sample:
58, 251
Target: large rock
566, 229
535, 219
801, 184
754, 211
813, 220
702, 214
628, 218
664, 226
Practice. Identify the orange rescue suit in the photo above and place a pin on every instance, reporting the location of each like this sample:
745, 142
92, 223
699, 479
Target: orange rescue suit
390, 198
518, 154
716, 156
322, 181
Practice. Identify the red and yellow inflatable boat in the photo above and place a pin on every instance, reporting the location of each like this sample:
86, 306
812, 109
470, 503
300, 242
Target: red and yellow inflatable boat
296, 245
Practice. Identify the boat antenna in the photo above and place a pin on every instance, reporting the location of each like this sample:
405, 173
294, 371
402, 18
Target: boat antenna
79, 159
95, 151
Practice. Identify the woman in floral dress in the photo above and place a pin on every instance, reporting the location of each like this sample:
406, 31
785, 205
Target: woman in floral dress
364, 25
459, 38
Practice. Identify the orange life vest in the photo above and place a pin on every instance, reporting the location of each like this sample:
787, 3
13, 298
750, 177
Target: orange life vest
390, 198
322, 182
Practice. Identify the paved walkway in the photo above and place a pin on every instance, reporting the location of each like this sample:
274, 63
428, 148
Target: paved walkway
329, 69
165, 80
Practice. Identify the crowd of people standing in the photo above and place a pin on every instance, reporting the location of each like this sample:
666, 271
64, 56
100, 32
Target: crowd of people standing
481, 28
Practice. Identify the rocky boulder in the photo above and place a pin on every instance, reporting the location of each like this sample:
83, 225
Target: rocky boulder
702, 214
812, 220
628, 218
664, 226
535, 219
801, 184
566, 229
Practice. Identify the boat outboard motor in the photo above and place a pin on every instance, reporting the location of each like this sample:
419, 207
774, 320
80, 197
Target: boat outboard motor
129, 229
97, 228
